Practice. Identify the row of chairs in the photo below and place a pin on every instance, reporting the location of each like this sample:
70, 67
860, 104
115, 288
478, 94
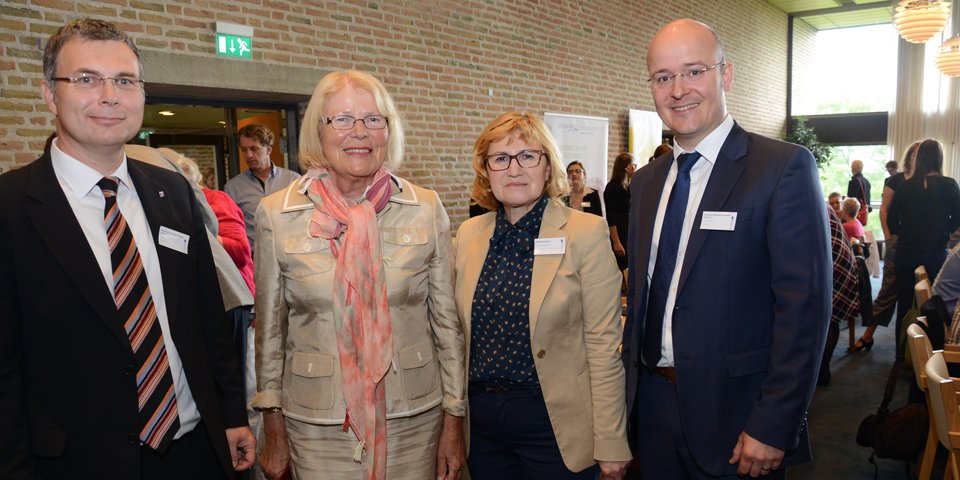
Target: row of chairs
941, 390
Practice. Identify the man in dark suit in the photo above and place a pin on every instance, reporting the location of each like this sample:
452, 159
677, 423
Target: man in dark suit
115, 354
729, 281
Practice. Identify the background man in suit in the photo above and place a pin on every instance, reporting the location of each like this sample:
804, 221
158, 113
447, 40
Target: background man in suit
115, 355
729, 288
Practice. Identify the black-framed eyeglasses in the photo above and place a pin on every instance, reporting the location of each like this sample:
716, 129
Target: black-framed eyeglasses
525, 158
90, 81
346, 122
694, 75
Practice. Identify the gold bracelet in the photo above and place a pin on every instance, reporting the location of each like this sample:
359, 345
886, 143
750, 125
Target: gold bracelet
266, 410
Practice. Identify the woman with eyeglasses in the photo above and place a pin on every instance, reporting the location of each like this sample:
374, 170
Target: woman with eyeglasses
360, 355
538, 293
581, 197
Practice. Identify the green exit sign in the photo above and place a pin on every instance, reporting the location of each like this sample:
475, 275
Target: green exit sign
234, 46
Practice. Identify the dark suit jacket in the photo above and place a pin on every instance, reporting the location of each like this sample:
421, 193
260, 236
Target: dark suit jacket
753, 304
68, 394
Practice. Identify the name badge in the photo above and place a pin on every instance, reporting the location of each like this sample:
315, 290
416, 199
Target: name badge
724, 221
174, 240
549, 246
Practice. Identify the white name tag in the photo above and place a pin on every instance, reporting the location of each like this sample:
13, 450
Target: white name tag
549, 246
719, 221
174, 240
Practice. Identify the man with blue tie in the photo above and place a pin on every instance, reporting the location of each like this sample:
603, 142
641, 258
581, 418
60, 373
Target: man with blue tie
116, 360
729, 285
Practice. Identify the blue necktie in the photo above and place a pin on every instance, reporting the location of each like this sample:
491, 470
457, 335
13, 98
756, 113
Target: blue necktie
666, 259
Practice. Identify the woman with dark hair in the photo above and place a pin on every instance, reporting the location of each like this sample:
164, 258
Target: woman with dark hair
581, 197
886, 301
616, 199
924, 212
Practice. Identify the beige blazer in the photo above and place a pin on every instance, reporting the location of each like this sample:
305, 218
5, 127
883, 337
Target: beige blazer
297, 360
575, 330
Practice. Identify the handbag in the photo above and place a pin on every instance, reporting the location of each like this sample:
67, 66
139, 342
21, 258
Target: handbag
899, 434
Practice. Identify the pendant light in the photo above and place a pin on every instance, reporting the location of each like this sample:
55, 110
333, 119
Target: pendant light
919, 20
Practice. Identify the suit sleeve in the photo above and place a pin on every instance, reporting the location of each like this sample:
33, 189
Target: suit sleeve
600, 299
16, 461
271, 312
442, 308
216, 329
798, 246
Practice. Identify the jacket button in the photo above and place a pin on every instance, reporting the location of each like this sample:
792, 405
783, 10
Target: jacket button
541, 354
635, 364
134, 439
128, 370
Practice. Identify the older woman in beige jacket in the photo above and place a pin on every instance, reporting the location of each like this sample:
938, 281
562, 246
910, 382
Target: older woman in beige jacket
358, 343
538, 291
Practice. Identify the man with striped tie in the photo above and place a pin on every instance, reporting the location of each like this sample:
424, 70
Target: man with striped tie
116, 359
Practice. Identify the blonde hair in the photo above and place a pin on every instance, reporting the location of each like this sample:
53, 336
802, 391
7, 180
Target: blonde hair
311, 149
190, 170
523, 126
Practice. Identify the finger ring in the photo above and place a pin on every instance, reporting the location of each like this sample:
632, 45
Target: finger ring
765, 469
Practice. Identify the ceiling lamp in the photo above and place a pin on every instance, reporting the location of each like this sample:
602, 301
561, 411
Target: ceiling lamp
948, 60
919, 20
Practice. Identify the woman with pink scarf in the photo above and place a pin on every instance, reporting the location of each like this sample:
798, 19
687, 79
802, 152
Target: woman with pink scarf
360, 354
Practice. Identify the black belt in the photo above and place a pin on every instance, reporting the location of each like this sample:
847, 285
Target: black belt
475, 388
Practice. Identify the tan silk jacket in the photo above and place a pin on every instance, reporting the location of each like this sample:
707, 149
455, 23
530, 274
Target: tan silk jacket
297, 360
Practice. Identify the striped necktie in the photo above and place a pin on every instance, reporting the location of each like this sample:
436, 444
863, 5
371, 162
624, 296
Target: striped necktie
157, 401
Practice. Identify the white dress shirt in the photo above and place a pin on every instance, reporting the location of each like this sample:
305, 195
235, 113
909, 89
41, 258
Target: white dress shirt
79, 184
709, 149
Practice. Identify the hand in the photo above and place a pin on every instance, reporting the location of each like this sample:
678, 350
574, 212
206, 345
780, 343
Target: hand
618, 249
755, 457
451, 454
613, 470
275, 457
243, 447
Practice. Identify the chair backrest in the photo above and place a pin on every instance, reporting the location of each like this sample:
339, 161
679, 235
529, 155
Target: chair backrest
920, 351
923, 291
943, 401
920, 273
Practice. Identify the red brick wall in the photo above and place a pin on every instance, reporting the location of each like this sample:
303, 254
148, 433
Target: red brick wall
441, 60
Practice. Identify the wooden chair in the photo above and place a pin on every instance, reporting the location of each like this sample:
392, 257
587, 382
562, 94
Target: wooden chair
920, 352
920, 273
922, 291
945, 411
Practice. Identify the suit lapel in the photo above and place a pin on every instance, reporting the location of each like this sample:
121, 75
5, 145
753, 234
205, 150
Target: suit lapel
723, 179
645, 218
58, 227
545, 266
156, 207
475, 253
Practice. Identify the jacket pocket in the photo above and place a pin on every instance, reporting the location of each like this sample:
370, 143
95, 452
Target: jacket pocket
750, 362
418, 370
312, 380
306, 256
404, 247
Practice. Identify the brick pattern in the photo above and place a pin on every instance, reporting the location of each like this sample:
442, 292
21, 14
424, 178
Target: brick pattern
452, 66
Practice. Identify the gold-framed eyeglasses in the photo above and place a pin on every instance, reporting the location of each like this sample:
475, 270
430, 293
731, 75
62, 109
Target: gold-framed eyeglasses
90, 81
346, 122
525, 158
694, 75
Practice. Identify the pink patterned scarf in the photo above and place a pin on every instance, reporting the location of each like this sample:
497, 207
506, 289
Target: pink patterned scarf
360, 310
